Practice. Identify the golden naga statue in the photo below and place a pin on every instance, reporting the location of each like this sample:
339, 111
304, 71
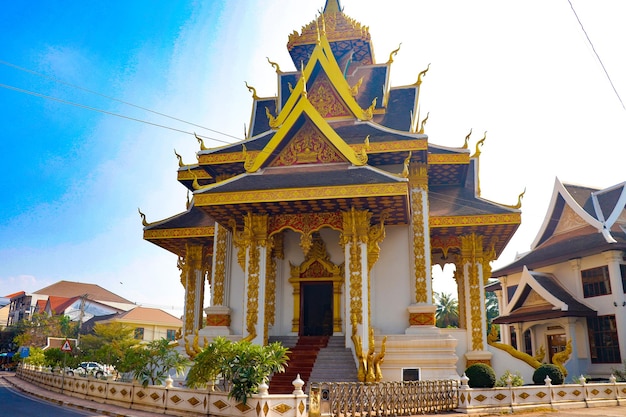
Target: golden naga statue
195, 348
369, 364
540, 354
561, 357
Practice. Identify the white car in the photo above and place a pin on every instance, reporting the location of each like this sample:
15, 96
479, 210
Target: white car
89, 368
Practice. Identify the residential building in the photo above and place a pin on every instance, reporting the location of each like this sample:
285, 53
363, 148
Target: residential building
569, 291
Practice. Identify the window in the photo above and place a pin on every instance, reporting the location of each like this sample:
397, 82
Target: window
528, 344
622, 269
596, 281
603, 342
171, 334
139, 333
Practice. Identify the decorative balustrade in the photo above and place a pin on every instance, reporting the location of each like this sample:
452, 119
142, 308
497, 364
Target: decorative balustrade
170, 400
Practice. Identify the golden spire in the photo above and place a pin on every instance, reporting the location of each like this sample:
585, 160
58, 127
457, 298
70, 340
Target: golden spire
252, 90
422, 75
180, 159
421, 131
393, 53
275, 65
332, 6
201, 142
466, 144
478, 145
405, 169
143, 218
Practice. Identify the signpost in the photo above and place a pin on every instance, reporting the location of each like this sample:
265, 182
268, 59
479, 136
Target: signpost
65, 348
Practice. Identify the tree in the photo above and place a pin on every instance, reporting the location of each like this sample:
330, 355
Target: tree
152, 363
108, 343
491, 304
243, 365
447, 314
35, 332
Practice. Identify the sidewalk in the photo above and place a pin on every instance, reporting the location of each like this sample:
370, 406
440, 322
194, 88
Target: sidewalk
73, 402
112, 410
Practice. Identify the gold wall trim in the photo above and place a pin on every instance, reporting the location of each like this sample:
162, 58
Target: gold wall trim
190, 175
479, 220
179, 233
226, 158
295, 194
441, 159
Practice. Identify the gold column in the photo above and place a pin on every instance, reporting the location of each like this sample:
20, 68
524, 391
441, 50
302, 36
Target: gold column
473, 258
191, 273
253, 242
219, 276
276, 242
460, 283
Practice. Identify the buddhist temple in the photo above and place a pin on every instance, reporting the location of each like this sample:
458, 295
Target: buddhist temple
327, 219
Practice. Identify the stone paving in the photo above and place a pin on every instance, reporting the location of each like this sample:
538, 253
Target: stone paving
111, 410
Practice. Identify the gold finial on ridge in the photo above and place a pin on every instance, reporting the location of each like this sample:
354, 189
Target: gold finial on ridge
517, 205
421, 131
275, 65
195, 184
354, 90
422, 75
188, 203
393, 53
466, 144
201, 142
252, 90
367, 143
478, 145
180, 159
271, 118
143, 218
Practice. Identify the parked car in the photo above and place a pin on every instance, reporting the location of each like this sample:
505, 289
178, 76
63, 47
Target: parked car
89, 368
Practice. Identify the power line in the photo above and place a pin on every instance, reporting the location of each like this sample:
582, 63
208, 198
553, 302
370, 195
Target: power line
112, 98
82, 106
597, 55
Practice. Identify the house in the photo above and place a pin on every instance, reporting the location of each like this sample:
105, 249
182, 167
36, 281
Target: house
148, 323
78, 300
326, 220
569, 291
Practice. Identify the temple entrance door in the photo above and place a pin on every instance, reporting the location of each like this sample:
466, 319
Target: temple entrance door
556, 343
316, 309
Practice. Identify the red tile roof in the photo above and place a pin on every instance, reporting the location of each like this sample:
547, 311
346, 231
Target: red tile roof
71, 289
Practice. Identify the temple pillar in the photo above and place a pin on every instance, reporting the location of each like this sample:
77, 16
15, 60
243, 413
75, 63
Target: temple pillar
218, 311
275, 252
194, 269
422, 309
473, 262
253, 244
354, 239
613, 259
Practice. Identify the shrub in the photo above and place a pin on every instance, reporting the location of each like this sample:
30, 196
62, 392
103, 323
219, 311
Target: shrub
553, 371
516, 379
480, 376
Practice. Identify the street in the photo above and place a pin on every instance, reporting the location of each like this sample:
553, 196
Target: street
14, 403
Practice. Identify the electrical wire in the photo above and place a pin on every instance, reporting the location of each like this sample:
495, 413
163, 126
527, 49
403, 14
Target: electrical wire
113, 98
82, 106
597, 55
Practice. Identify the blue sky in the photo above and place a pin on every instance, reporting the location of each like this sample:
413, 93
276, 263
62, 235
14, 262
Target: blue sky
72, 178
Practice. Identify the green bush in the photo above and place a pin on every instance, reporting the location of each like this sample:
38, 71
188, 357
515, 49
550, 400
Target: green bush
480, 376
553, 371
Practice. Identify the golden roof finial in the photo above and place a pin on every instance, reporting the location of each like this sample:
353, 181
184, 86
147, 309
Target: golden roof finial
143, 218
275, 65
271, 118
478, 145
188, 204
518, 205
422, 75
201, 142
421, 131
180, 159
195, 184
393, 53
252, 90
367, 143
466, 144
332, 6
303, 75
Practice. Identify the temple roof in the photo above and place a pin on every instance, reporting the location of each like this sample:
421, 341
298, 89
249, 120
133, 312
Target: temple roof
580, 221
540, 296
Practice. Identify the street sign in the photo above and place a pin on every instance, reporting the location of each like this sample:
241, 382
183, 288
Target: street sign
66, 346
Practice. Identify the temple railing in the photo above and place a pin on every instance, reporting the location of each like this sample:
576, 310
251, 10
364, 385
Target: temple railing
163, 400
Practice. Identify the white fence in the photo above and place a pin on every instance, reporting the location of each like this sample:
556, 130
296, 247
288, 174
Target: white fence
173, 401
509, 399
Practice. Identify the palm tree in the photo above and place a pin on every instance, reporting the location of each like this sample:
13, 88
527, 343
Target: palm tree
447, 314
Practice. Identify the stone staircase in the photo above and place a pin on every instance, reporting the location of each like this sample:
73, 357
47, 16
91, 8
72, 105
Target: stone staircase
316, 359
302, 358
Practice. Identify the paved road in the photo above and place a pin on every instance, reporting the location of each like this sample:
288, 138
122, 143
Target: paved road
14, 403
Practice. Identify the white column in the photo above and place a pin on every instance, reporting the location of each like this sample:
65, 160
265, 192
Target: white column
613, 259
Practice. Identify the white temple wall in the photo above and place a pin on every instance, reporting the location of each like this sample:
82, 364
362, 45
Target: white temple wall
236, 295
390, 283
